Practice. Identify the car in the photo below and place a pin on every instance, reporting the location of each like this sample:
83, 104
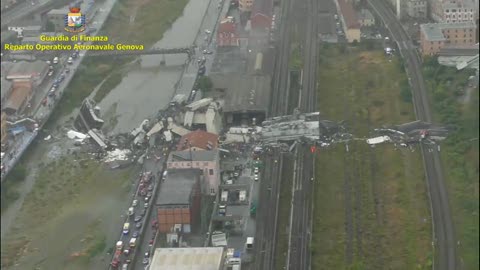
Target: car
138, 218
150, 188
52, 90
143, 212
145, 205
147, 254
149, 194
151, 241
70, 60
145, 261
135, 234
67, 70
138, 225
208, 32
55, 85
50, 73
256, 177
134, 203
125, 266
207, 52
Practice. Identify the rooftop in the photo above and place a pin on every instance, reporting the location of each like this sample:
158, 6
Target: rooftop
193, 155
349, 15
264, 7
204, 258
243, 92
177, 187
5, 87
20, 91
365, 14
326, 24
200, 139
227, 26
433, 31
27, 68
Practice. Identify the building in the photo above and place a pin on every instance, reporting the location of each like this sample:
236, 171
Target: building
245, 5
454, 11
246, 96
417, 8
365, 18
193, 258
178, 204
34, 71
350, 22
326, 27
434, 36
261, 17
207, 161
227, 33
198, 140
27, 31
4, 128
19, 97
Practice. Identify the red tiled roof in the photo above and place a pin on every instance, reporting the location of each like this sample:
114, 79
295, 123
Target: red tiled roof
264, 7
226, 27
21, 90
348, 14
198, 138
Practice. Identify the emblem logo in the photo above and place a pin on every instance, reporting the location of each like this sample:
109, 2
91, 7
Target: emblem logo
74, 21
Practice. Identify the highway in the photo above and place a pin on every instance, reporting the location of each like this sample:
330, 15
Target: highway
444, 238
299, 256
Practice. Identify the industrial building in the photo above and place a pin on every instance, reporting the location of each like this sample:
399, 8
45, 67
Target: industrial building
179, 201
435, 36
19, 97
194, 258
207, 161
227, 33
417, 8
246, 96
35, 71
261, 17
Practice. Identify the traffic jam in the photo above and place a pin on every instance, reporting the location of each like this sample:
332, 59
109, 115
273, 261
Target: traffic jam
132, 227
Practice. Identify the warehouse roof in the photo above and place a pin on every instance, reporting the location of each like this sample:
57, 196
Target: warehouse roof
198, 258
177, 187
20, 92
198, 138
27, 68
244, 92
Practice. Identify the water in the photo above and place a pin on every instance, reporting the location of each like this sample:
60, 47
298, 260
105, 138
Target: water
150, 87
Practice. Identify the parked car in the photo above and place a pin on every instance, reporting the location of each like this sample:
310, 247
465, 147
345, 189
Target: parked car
138, 218
138, 225
134, 203
67, 70
147, 254
150, 188
135, 234
149, 194
145, 205
143, 212
145, 261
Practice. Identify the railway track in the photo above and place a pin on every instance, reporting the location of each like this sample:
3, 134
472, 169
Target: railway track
444, 236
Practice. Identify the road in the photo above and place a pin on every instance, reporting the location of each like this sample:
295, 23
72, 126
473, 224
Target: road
444, 237
299, 255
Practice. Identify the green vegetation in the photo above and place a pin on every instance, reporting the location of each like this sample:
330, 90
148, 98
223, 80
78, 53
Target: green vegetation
459, 152
204, 83
9, 194
296, 61
152, 19
62, 191
382, 191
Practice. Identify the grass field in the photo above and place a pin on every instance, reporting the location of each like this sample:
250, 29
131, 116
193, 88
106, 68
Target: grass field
371, 205
64, 211
460, 153
152, 19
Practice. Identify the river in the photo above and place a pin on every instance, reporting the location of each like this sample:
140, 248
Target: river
150, 86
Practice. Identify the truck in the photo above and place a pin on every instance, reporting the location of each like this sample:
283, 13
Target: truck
224, 197
126, 228
133, 242
116, 259
130, 211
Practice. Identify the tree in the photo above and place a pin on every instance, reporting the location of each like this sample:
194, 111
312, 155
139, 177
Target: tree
204, 83
50, 27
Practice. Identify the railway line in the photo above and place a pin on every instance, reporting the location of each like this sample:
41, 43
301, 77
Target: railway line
444, 238
299, 255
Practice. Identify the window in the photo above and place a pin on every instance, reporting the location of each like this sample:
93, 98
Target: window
212, 191
210, 172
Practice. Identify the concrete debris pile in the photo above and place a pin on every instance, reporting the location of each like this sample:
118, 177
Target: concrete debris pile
118, 158
77, 136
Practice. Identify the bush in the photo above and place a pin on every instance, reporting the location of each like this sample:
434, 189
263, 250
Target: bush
18, 173
204, 83
405, 92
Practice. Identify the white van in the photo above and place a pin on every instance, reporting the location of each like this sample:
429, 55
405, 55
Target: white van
249, 243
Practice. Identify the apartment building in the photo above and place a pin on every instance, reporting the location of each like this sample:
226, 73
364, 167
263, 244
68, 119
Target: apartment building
417, 8
434, 36
454, 10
